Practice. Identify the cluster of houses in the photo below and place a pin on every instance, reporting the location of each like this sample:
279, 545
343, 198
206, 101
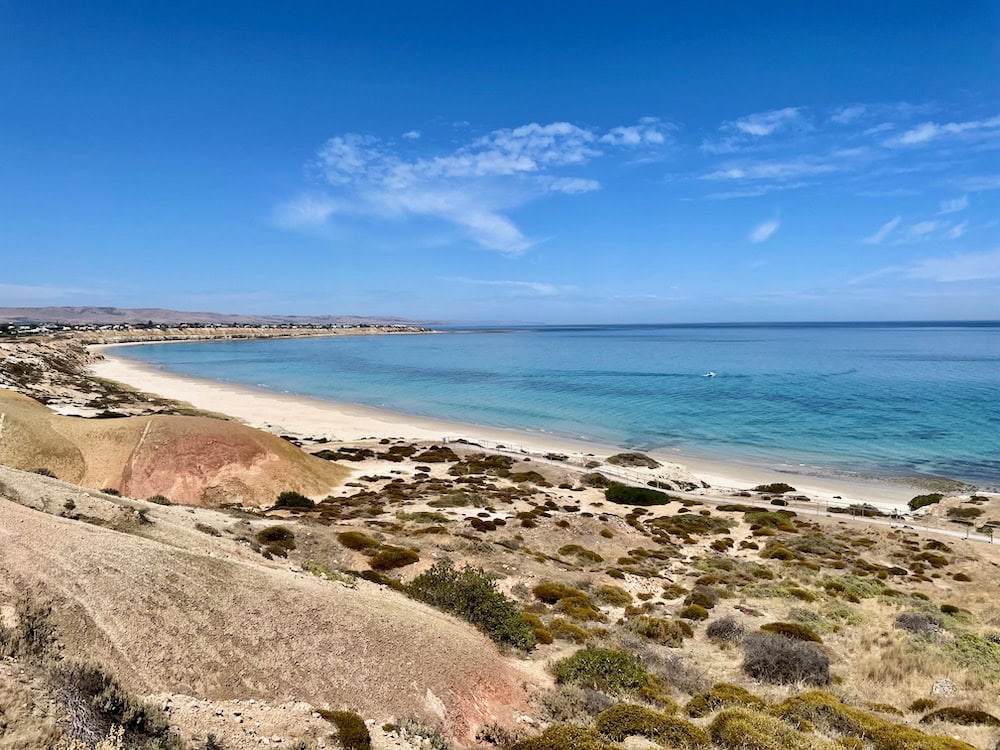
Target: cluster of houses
12, 330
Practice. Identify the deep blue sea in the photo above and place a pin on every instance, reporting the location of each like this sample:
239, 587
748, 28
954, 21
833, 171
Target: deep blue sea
884, 399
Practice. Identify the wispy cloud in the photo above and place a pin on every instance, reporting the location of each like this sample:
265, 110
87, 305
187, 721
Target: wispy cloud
926, 132
956, 231
954, 205
763, 231
412, 134
771, 170
959, 267
471, 188
846, 115
883, 231
534, 288
766, 123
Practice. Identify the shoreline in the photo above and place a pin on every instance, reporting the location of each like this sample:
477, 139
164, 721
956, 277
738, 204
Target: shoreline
344, 422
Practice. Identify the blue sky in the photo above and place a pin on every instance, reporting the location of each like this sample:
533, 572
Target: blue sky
550, 162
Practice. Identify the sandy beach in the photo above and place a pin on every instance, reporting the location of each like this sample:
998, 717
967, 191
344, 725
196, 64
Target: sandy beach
341, 422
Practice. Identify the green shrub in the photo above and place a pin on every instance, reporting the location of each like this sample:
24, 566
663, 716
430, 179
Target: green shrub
629, 720
673, 591
565, 737
290, 499
390, 558
921, 501
551, 592
473, 596
783, 661
665, 632
357, 541
775, 488
562, 628
352, 734
967, 717
97, 702
820, 709
743, 729
111, 491
792, 630
977, 652
922, 704
204, 528
722, 695
159, 500
610, 670
616, 596
277, 540
694, 612
580, 552
623, 494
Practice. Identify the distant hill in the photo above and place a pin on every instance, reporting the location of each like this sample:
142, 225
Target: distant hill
122, 315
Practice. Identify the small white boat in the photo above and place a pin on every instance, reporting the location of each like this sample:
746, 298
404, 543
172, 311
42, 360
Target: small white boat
709, 374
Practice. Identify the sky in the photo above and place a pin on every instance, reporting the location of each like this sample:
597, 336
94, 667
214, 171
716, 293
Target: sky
533, 162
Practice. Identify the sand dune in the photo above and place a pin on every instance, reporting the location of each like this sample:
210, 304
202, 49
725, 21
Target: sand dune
191, 460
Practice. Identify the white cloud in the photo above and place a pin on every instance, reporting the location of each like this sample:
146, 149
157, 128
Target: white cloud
926, 132
412, 134
960, 267
649, 131
846, 115
470, 188
766, 123
304, 211
763, 231
954, 205
883, 231
770, 170
534, 288
956, 231
988, 182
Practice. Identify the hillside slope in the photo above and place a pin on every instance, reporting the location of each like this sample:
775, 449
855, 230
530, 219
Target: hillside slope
186, 612
191, 460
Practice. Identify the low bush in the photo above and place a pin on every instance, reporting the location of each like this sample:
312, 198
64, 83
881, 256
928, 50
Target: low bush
565, 737
719, 696
921, 501
610, 670
111, 491
358, 541
633, 459
352, 733
783, 661
774, 488
665, 632
31, 635
622, 494
616, 596
42, 471
277, 540
820, 709
967, 717
473, 596
726, 629
629, 720
922, 704
562, 628
792, 630
159, 500
694, 612
290, 499
551, 592
919, 623
204, 528
703, 596
743, 729
390, 558
96, 703
573, 704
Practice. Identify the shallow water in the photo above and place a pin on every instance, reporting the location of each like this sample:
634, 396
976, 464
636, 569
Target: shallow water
885, 399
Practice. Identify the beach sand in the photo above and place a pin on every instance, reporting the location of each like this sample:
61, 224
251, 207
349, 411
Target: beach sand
339, 422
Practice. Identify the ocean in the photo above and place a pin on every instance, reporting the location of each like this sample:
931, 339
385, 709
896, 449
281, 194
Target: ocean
892, 400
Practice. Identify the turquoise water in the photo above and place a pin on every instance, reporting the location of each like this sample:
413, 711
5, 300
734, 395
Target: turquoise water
888, 399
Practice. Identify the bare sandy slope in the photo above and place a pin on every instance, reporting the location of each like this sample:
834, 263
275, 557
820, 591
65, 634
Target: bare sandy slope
191, 460
205, 618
